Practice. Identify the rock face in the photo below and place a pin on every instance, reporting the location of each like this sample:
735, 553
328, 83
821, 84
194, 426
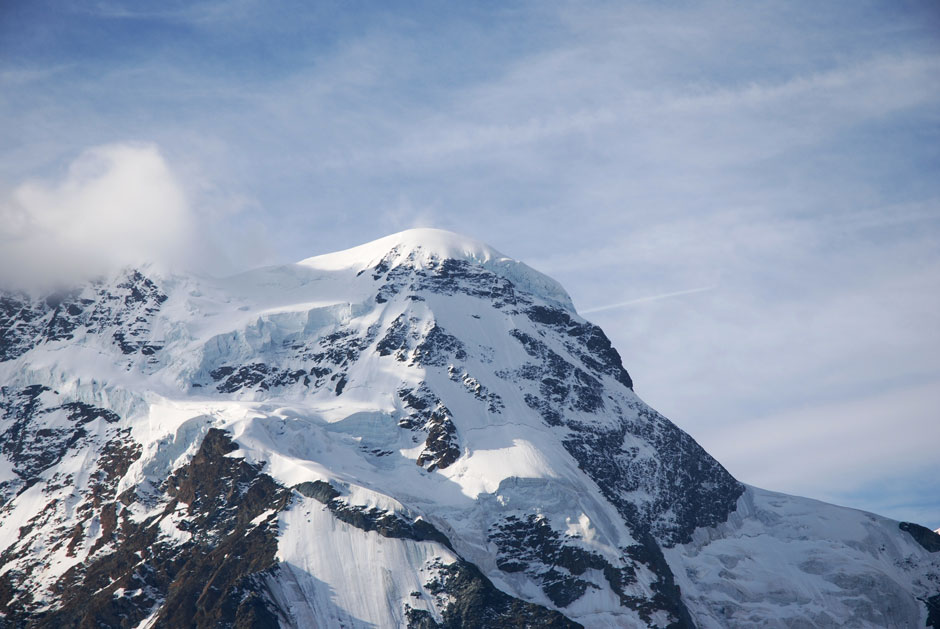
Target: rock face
416, 432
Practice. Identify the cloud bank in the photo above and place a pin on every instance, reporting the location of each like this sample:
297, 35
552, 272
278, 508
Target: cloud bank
117, 204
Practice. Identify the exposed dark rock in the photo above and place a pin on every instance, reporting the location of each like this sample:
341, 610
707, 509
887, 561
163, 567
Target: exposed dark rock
218, 577
548, 412
318, 490
124, 310
451, 276
530, 545
297, 361
255, 375
561, 384
428, 414
933, 611
592, 346
443, 276
420, 619
440, 448
395, 341
683, 479
340, 383
396, 281
112, 452
434, 347
472, 601
342, 347
18, 325
384, 264
133, 347
211, 581
385, 523
33, 440
666, 593
221, 372
494, 403
922, 535
689, 488
438, 348
82, 413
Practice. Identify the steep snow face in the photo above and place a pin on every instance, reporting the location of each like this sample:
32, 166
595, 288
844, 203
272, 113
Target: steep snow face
419, 431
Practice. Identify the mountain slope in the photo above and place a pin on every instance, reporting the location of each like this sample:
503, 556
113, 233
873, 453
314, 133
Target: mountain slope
418, 431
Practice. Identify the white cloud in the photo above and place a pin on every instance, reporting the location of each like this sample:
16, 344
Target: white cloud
117, 204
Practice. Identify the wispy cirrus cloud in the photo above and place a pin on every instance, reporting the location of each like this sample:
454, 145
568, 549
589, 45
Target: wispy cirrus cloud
646, 299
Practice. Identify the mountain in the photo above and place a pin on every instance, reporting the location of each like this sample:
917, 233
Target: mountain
416, 432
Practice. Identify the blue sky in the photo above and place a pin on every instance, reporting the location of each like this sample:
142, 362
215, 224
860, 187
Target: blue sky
744, 196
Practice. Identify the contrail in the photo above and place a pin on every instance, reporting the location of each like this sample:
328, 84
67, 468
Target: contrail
643, 300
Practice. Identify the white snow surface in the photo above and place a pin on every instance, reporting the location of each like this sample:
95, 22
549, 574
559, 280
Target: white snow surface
778, 561
786, 561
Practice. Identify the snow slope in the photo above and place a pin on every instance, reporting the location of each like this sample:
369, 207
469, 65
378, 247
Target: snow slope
418, 431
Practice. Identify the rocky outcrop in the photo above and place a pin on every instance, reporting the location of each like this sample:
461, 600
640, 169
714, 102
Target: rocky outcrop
924, 536
122, 310
427, 414
215, 578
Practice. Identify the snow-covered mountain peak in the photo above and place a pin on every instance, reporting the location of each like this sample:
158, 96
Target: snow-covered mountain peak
427, 248
423, 244
417, 432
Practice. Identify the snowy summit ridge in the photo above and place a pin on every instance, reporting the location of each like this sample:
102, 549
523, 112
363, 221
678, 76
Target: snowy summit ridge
422, 247
417, 432
432, 243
